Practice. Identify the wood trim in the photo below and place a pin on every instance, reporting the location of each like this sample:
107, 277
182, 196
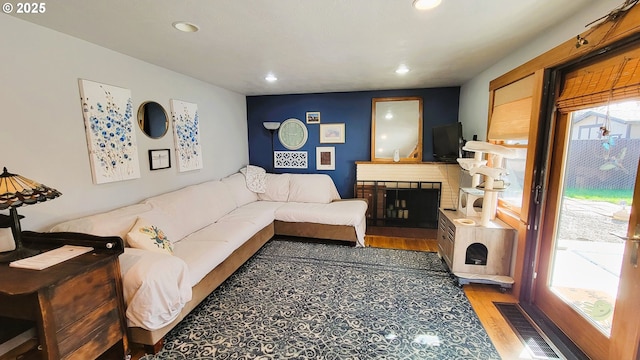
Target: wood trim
315, 230
599, 38
505, 340
532, 140
626, 327
417, 154
536, 106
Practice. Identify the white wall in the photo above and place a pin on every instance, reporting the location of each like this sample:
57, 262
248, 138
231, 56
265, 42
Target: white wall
474, 95
42, 130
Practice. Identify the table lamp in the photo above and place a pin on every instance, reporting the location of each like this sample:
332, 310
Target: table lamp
16, 191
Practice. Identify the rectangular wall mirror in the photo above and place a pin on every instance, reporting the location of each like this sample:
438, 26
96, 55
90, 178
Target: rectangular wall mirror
396, 129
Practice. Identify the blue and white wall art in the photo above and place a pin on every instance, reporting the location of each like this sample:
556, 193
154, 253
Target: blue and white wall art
111, 136
186, 133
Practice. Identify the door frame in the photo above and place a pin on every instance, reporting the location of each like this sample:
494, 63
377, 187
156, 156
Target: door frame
594, 342
625, 330
541, 177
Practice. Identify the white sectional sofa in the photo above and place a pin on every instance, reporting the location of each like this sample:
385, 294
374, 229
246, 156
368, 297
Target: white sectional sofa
213, 228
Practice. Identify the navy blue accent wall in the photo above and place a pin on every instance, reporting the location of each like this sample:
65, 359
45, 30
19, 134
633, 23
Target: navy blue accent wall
440, 107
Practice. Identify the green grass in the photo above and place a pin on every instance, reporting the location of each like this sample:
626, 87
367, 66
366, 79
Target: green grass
614, 196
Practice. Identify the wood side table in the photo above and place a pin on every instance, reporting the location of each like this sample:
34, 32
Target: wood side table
77, 305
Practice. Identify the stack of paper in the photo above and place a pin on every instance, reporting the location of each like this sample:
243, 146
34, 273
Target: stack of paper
50, 258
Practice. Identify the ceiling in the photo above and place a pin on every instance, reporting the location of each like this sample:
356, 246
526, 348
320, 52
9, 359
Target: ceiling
311, 45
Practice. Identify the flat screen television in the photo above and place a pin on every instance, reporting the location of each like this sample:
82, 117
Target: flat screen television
447, 142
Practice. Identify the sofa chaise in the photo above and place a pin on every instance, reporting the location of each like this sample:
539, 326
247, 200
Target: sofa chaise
202, 233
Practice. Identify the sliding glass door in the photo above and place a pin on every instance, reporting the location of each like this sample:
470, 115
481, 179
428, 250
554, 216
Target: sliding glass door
586, 224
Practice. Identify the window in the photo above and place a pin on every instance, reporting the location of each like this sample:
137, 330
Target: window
509, 126
512, 197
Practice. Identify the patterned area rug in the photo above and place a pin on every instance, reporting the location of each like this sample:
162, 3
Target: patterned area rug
301, 300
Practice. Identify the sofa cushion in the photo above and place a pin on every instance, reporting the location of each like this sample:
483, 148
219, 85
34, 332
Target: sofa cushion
312, 188
343, 212
237, 185
215, 198
205, 249
195, 206
259, 213
148, 235
277, 188
116, 222
349, 212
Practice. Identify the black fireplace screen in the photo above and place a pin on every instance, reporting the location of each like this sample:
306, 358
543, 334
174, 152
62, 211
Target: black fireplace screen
402, 203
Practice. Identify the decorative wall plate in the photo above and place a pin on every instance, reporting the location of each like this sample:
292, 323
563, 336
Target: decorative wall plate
293, 134
290, 159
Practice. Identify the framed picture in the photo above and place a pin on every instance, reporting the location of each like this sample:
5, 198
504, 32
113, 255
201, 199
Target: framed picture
186, 135
107, 111
313, 117
332, 133
290, 159
326, 158
159, 159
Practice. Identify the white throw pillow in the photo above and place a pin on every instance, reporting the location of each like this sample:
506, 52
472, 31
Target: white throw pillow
256, 178
148, 236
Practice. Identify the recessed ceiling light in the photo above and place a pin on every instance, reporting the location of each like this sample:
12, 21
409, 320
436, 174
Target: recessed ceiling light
426, 4
271, 78
185, 26
402, 69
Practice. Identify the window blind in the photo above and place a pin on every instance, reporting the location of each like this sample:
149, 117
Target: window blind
511, 113
614, 79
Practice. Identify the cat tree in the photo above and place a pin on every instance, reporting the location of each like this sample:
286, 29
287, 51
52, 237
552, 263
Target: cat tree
493, 174
479, 252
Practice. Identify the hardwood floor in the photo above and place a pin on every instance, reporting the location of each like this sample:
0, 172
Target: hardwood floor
505, 340
402, 238
480, 296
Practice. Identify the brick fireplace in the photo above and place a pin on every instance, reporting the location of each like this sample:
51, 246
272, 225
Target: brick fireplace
407, 195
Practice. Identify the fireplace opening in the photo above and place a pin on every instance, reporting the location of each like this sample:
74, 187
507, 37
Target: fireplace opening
476, 254
412, 204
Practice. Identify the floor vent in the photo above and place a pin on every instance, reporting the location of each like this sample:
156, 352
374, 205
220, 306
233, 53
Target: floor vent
534, 341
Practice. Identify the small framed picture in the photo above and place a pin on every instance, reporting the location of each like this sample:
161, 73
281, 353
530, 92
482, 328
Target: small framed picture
313, 117
332, 133
326, 158
159, 159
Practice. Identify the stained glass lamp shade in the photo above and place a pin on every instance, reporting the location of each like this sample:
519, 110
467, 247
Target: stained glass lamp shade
16, 191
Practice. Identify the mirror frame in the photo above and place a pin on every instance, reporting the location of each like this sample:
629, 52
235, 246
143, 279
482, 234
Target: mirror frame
417, 154
141, 118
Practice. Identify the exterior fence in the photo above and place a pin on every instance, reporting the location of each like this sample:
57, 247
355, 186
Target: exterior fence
592, 166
